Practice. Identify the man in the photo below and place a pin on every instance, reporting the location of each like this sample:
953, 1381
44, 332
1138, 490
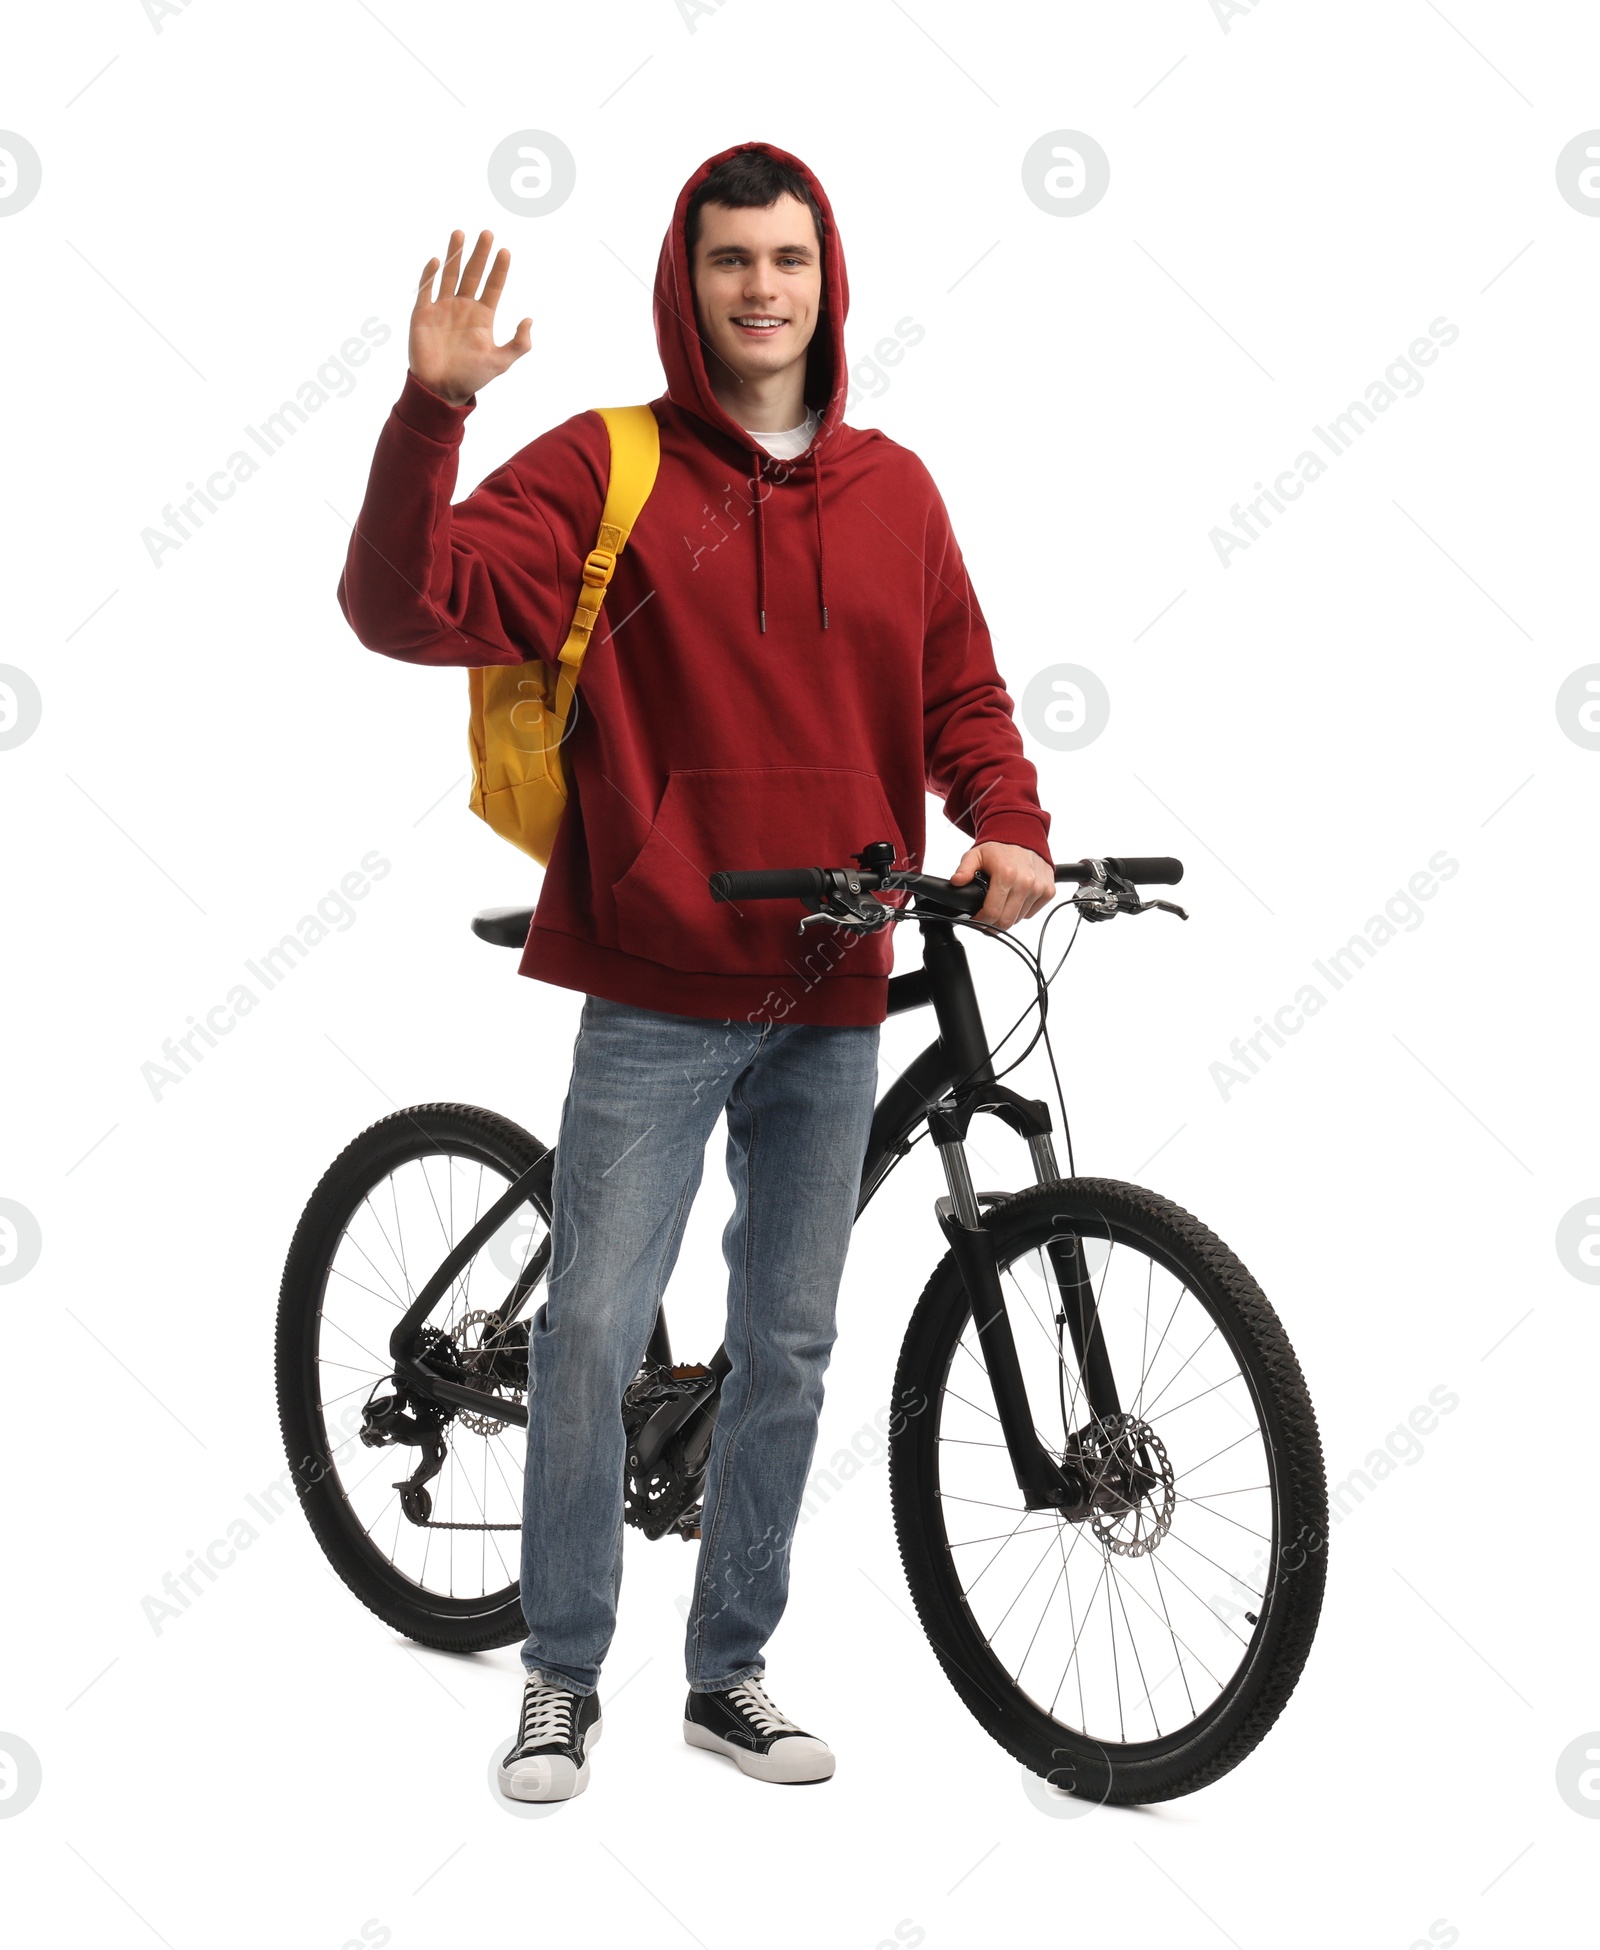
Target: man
792, 657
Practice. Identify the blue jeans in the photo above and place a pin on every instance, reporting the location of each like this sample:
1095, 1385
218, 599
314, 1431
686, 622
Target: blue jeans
646, 1091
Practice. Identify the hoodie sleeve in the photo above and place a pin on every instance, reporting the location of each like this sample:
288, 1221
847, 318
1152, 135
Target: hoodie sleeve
972, 750
491, 580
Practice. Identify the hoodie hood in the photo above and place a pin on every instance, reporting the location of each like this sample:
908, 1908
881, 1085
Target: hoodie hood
678, 337
827, 378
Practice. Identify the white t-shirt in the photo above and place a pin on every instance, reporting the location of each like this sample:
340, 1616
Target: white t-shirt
791, 444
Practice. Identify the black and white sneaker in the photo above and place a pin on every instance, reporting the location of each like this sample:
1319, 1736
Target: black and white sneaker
743, 1724
549, 1760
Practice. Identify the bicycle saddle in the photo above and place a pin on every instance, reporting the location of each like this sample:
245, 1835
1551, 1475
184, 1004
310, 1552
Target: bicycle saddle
504, 927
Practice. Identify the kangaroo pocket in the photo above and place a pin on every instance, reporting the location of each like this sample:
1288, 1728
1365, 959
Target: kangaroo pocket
713, 819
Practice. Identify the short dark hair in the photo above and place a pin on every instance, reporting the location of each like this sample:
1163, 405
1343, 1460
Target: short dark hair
749, 180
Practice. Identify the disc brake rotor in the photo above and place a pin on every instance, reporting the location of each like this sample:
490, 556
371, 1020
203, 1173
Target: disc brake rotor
1134, 1495
474, 1336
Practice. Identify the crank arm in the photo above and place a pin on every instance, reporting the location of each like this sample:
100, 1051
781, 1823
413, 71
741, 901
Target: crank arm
665, 1423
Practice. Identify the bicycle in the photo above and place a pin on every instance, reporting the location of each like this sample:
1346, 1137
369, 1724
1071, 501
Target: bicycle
1105, 1471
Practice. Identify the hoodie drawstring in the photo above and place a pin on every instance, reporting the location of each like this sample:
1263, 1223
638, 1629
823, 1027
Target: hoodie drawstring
761, 552
816, 502
760, 460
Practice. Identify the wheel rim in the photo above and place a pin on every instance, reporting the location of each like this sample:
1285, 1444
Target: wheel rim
1132, 1629
392, 1240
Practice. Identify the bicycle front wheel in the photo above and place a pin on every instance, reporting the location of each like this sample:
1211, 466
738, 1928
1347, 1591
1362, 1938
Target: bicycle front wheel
1142, 1652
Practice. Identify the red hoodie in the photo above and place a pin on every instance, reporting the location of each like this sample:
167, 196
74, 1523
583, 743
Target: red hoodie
790, 656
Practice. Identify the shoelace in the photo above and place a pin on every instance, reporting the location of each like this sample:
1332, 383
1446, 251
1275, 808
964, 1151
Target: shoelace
753, 1703
546, 1716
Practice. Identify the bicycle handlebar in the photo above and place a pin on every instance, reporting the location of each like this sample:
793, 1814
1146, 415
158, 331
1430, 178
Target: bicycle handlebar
1142, 872
811, 884
769, 884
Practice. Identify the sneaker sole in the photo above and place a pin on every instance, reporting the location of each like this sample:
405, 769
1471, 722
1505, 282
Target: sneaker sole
549, 1778
807, 1760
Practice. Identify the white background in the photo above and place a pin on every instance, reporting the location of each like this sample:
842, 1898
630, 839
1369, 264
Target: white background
224, 201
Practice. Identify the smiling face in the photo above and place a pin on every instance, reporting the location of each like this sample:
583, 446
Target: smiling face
757, 287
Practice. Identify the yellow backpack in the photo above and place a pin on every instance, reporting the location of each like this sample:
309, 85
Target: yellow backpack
519, 711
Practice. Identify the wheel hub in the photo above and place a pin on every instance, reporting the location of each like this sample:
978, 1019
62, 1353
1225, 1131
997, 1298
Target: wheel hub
1131, 1486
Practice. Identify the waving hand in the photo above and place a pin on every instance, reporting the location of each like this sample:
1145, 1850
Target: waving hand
452, 349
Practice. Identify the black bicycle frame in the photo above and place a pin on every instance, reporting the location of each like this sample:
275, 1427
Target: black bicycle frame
946, 1085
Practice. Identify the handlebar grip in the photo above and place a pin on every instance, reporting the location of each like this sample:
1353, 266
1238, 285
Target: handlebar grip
1148, 873
768, 884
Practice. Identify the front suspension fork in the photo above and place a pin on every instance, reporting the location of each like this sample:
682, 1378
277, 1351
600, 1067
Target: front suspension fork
1046, 1483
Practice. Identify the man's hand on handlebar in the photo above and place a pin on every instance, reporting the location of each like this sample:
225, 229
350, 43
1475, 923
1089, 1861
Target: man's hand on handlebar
1021, 882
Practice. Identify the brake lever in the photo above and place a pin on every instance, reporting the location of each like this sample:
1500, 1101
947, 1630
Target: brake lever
1110, 894
1105, 904
863, 922
1106, 896
850, 905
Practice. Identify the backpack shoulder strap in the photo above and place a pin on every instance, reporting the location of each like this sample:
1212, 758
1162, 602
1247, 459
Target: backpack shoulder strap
635, 458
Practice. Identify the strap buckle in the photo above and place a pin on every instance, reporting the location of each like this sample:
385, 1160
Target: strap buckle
598, 567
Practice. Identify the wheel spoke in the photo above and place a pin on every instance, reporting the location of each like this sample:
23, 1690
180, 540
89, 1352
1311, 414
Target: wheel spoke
1018, 1599
1212, 1562
1118, 1581
387, 1298
962, 1543
328, 1321
1072, 1622
1222, 1517
378, 1271
1076, 1637
982, 1411
1218, 1452
1177, 1644
1016, 1530
1167, 1621
1203, 1394
1138, 1402
398, 1256
1149, 1407
1116, 1666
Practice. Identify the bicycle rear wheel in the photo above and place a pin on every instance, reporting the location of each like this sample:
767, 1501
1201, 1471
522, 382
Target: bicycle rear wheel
445, 1569
1142, 1652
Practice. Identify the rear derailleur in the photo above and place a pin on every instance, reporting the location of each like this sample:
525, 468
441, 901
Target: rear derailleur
384, 1420
481, 1352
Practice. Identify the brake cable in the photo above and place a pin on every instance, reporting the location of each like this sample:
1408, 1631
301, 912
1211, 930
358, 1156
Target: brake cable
1041, 1001
1101, 899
